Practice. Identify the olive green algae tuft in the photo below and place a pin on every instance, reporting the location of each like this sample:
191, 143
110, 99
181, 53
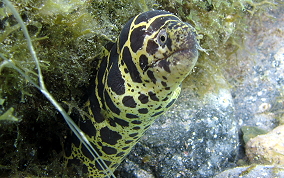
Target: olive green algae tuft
69, 37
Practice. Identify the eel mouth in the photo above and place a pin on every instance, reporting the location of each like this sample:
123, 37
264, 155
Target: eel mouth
183, 51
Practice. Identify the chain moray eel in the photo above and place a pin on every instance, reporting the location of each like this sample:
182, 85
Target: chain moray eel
139, 80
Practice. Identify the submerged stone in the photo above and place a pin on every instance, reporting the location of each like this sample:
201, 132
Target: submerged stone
268, 148
263, 171
196, 138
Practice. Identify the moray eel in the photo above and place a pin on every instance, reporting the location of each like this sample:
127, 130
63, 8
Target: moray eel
139, 80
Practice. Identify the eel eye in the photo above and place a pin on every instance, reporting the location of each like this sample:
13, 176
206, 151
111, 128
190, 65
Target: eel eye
162, 37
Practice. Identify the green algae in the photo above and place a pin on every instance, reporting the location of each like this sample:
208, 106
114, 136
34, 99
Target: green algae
69, 37
251, 132
8, 116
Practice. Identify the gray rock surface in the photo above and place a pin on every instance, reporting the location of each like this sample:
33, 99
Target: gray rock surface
195, 138
258, 98
263, 171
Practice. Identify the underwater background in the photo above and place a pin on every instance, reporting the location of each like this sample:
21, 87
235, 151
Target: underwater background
234, 93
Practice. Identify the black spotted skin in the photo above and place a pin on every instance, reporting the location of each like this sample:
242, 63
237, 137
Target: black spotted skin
139, 80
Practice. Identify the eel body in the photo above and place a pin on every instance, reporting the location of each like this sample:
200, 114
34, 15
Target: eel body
139, 80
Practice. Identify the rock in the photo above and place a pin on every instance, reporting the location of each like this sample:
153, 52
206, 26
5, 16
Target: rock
263, 171
258, 98
268, 148
195, 138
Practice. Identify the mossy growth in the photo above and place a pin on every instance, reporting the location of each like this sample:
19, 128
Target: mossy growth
251, 132
69, 36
